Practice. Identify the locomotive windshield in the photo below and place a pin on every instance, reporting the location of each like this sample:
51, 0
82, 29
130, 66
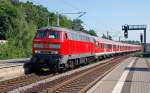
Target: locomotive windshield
53, 34
41, 34
48, 34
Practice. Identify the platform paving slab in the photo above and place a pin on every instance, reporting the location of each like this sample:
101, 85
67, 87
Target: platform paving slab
130, 76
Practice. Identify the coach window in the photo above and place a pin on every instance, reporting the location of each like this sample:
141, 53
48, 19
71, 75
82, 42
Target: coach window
109, 46
102, 45
75, 36
114, 46
118, 46
81, 37
69, 36
84, 38
105, 46
78, 37
88, 39
72, 35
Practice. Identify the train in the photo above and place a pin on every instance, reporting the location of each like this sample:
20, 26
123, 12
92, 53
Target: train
57, 48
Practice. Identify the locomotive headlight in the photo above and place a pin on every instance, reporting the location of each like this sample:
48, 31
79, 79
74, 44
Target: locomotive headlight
54, 45
46, 52
38, 45
37, 51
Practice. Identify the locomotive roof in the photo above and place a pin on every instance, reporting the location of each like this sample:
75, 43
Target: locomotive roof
65, 30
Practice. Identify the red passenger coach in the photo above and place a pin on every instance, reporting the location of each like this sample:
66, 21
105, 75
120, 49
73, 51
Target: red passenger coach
103, 47
56, 48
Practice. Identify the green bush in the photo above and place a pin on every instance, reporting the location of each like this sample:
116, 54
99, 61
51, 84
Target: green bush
16, 30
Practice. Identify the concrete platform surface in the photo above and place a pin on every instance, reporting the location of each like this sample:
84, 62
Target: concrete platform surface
131, 76
13, 62
12, 68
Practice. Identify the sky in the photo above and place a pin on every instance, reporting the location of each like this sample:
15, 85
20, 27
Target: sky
105, 15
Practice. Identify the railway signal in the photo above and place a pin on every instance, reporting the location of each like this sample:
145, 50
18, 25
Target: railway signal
141, 38
126, 31
125, 28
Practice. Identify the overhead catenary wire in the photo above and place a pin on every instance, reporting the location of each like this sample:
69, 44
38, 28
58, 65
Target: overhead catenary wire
67, 3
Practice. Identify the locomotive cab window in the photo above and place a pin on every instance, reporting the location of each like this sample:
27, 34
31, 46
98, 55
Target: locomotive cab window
47, 34
53, 35
41, 34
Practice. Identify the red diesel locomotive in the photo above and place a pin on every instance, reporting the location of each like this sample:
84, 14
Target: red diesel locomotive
57, 48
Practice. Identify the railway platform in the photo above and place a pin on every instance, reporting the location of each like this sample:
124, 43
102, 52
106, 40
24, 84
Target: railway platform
13, 62
12, 68
131, 76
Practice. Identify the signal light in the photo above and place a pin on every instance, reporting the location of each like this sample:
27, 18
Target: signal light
141, 37
126, 31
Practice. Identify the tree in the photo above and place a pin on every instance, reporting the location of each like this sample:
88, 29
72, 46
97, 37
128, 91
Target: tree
36, 14
7, 14
109, 37
16, 30
77, 25
92, 32
65, 22
104, 36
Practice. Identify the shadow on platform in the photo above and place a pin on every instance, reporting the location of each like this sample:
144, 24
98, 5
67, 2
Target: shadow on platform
19, 62
137, 69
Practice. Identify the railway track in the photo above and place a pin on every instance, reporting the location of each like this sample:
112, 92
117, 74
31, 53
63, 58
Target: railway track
21, 81
82, 82
65, 82
11, 84
76, 82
